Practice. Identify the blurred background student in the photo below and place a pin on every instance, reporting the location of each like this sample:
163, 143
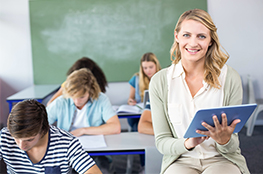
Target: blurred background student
149, 65
85, 62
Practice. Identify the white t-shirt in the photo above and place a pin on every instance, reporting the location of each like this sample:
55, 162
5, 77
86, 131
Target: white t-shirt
80, 118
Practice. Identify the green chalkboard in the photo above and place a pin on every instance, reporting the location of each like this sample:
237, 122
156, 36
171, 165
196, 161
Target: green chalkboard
114, 33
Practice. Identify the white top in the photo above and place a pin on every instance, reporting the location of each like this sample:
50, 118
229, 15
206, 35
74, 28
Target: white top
182, 106
80, 118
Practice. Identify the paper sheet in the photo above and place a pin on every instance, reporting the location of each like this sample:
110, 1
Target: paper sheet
92, 141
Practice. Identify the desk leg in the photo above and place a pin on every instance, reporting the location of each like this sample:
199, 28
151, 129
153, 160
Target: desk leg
129, 164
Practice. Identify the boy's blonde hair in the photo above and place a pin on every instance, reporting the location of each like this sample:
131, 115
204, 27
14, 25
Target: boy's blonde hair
81, 82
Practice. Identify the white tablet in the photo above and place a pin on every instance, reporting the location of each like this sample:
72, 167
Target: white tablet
242, 112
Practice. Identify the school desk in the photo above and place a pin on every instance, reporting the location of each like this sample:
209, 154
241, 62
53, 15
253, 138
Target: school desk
37, 92
130, 143
128, 115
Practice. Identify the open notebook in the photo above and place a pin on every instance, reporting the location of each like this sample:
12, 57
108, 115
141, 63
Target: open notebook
136, 109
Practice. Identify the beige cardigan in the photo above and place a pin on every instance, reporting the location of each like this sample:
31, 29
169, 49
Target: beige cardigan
165, 136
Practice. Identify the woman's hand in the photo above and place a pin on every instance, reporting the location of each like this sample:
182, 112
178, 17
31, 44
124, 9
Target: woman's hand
221, 133
192, 142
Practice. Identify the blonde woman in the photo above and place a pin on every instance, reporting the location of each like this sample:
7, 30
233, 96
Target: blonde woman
198, 78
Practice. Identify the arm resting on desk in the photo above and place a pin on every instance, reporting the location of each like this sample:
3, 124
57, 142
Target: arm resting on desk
112, 126
145, 124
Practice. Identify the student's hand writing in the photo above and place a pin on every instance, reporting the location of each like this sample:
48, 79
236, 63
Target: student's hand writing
77, 132
221, 133
131, 102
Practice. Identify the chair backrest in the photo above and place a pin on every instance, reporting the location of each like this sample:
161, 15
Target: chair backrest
145, 98
251, 94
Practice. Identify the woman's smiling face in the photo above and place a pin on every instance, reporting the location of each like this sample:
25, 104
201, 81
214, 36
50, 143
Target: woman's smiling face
194, 39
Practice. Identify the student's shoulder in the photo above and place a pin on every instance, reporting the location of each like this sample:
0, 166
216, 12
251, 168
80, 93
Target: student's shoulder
62, 99
133, 78
102, 96
5, 131
5, 134
59, 102
58, 133
102, 100
60, 139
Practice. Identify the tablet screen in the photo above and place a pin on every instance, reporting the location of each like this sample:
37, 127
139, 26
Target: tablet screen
242, 112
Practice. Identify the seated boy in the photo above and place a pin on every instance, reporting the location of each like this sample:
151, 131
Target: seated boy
30, 145
83, 109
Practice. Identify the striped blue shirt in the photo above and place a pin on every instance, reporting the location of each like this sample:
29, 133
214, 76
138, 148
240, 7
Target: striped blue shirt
64, 152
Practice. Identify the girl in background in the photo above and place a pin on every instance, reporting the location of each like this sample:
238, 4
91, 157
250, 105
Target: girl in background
149, 65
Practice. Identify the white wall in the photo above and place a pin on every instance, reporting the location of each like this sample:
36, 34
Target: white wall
15, 51
238, 21
240, 25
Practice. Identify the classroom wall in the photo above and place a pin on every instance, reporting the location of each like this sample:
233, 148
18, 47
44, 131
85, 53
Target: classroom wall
240, 26
15, 51
239, 23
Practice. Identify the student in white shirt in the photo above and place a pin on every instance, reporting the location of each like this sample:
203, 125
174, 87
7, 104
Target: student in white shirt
83, 109
198, 78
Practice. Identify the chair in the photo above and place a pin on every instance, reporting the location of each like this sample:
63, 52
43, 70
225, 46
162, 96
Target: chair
145, 98
252, 121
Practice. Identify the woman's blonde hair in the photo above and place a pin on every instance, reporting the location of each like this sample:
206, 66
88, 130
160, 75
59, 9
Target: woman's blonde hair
215, 57
81, 82
143, 78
